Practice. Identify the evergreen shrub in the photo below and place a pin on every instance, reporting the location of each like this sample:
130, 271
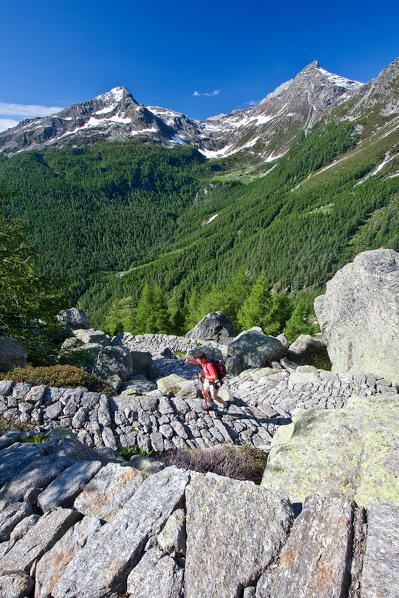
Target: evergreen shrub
58, 375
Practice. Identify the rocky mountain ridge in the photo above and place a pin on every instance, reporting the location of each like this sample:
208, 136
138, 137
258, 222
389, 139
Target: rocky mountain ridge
115, 115
374, 94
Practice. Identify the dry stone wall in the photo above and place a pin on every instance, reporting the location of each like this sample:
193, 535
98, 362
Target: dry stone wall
263, 400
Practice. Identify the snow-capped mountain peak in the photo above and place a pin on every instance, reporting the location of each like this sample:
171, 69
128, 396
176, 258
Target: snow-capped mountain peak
267, 128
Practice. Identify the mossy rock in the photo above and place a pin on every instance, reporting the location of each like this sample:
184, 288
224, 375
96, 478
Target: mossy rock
172, 383
352, 452
225, 395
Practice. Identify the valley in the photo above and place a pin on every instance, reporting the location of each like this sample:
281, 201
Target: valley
108, 215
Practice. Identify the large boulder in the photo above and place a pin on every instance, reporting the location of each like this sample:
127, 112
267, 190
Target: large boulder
143, 364
51, 566
114, 365
12, 354
172, 383
210, 352
359, 315
138, 385
253, 349
72, 349
381, 563
234, 531
107, 492
351, 451
315, 561
39, 539
73, 318
101, 567
215, 326
305, 347
97, 337
157, 574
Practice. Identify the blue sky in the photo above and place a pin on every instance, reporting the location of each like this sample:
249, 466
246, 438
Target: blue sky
230, 53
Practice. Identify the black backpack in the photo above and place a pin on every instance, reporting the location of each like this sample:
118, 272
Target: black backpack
220, 369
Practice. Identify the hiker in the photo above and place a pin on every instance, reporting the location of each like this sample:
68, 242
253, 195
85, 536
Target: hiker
210, 381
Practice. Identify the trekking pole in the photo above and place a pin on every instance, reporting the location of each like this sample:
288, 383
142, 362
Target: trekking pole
201, 386
198, 384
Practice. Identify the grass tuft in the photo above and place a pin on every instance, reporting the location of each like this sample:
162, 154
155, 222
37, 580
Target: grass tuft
128, 453
237, 462
36, 438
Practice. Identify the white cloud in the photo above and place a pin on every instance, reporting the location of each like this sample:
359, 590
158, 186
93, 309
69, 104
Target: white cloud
7, 123
215, 92
252, 103
27, 110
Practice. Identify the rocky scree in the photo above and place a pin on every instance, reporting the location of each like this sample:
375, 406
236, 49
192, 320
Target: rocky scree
108, 529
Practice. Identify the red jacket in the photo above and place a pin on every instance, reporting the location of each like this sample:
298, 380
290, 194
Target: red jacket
208, 368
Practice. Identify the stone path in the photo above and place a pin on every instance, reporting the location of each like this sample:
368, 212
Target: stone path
304, 388
263, 400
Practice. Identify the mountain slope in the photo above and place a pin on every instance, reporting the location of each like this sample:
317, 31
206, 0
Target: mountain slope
128, 213
99, 207
266, 129
296, 105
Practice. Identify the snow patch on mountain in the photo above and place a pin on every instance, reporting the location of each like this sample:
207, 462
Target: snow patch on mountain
107, 109
178, 139
272, 157
294, 106
341, 81
209, 220
114, 95
215, 153
144, 131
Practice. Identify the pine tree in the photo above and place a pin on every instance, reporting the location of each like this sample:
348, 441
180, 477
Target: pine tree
271, 319
299, 322
257, 306
284, 308
160, 312
26, 297
236, 292
215, 300
113, 321
176, 314
192, 310
145, 317
177, 322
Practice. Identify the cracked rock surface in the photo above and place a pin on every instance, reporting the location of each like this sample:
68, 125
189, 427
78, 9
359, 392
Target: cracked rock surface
177, 534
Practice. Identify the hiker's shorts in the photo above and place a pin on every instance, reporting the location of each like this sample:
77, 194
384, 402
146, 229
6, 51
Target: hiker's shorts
213, 387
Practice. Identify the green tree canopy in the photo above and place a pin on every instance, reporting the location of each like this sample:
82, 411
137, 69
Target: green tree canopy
152, 315
26, 299
300, 320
